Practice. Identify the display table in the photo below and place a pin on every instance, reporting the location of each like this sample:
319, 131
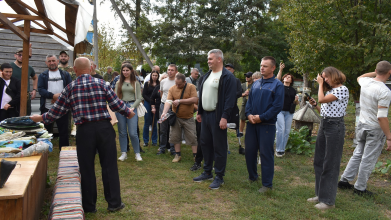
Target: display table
23, 193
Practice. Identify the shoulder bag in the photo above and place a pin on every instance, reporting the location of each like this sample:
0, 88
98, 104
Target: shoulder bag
172, 117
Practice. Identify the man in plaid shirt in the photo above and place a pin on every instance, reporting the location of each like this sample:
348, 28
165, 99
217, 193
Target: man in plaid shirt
87, 97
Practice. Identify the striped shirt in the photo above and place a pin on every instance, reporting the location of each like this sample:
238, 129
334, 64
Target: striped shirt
88, 98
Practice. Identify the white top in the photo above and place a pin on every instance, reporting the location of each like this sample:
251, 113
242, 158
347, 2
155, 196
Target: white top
165, 85
210, 91
336, 108
6, 98
373, 94
55, 85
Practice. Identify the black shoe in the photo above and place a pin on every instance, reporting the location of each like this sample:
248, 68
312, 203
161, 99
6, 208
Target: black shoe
217, 182
202, 177
241, 150
116, 209
93, 211
141, 150
196, 166
345, 185
161, 152
363, 192
145, 145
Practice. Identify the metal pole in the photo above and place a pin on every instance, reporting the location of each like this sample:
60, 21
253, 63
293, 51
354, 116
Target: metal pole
132, 34
96, 48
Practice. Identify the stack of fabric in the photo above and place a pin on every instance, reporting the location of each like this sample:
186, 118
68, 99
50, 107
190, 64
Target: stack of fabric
67, 203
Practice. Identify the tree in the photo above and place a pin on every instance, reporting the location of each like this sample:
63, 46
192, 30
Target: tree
106, 43
349, 35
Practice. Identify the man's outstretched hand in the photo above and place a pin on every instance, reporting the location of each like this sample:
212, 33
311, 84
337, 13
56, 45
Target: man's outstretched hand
36, 118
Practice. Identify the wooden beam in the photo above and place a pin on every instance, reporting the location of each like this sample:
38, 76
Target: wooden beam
41, 8
45, 18
17, 7
12, 27
13, 21
23, 17
25, 69
52, 33
34, 30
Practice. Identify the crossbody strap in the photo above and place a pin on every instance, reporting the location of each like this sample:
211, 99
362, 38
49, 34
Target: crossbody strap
183, 91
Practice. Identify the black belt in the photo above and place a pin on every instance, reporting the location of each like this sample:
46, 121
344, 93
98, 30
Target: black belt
327, 117
128, 101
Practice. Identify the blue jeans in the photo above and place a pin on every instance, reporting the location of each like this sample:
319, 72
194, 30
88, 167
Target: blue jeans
148, 118
284, 123
129, 125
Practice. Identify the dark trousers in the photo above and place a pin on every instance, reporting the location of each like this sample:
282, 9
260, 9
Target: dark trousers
100, 136
214, 144
62, 126
11, 112
327, 159
199, 156
260, 137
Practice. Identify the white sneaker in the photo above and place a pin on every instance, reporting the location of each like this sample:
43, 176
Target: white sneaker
183, 142
123, 156
138, 157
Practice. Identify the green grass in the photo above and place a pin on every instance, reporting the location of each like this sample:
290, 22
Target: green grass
159, 189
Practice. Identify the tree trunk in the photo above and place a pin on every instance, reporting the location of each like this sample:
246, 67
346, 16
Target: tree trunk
305, 85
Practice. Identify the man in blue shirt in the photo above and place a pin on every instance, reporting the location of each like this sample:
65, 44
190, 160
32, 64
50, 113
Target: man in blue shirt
265, 101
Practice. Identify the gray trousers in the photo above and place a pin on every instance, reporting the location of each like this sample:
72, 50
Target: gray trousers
370, 143
327, 160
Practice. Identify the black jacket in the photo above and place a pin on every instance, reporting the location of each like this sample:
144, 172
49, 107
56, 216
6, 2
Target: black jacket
226, 97
12, 90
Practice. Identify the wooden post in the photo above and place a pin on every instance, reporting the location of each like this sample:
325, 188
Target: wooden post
25, 70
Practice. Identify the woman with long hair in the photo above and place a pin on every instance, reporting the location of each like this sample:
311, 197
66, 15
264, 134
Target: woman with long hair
285, 117
149, 117
129, 91
331, 133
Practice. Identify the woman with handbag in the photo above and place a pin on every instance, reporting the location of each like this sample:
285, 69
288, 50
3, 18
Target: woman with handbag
285, 117
331, 133
129, 91
150, 117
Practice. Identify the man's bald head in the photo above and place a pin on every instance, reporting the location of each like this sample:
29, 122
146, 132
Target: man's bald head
82, 66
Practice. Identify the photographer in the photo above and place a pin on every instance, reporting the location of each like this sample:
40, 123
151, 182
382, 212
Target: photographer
330, 139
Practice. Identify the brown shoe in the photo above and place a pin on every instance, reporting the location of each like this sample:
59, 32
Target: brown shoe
176, 158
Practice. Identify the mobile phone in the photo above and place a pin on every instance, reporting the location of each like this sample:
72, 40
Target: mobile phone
308, 96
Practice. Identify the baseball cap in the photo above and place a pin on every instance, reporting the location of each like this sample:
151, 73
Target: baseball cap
248, 74
63, 51
229, 65
19, 50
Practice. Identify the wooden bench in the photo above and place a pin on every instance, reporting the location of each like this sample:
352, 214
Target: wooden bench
23, 193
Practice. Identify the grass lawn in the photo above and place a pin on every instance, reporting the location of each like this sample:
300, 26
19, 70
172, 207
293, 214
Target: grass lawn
159, 189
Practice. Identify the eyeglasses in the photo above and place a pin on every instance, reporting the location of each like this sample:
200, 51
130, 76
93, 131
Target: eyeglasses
19, 55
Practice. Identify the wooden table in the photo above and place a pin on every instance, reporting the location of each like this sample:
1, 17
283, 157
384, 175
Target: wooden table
22, 195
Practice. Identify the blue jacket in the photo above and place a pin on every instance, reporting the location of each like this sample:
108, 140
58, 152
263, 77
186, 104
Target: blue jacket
43, 85
266, 99
226, 97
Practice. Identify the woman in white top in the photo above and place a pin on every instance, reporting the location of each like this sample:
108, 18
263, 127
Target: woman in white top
330, 139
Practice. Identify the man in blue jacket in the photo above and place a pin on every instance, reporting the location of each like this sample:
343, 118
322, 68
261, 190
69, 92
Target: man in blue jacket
50, 84
265, 101
217, 98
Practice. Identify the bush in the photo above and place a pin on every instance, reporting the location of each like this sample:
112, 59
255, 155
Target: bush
383, 167
298, 142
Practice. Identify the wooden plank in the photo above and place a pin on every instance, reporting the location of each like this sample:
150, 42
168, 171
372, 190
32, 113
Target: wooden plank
35, 51
12, 27
35, 45
25, 66
15, 187
41, 8
39, 31
22, 17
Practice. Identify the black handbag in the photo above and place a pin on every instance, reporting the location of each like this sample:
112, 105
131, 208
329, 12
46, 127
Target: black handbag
172, 117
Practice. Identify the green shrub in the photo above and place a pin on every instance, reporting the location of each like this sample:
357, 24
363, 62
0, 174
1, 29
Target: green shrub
383, 167
300, 143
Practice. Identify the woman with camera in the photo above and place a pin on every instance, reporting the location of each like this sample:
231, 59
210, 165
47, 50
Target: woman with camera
129, 91
285, 117
330, 139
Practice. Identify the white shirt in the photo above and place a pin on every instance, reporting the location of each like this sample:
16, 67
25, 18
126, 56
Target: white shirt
6, 98
55, 85
373, 94
210, 91
165, 85
336, 108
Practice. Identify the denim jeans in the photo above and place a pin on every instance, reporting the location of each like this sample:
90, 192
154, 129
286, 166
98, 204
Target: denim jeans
148, 118
370, 142
129, 125
284, 123
327, 160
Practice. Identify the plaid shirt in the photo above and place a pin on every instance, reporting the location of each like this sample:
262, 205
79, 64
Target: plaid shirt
88, 98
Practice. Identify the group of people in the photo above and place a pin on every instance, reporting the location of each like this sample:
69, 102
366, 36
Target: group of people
198, 110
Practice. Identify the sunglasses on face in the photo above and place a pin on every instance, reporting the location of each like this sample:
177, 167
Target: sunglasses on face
19, 55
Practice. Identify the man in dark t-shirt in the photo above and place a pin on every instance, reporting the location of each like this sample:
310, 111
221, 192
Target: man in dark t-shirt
17, 73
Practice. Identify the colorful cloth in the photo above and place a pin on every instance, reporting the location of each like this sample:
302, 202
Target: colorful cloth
87, 97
